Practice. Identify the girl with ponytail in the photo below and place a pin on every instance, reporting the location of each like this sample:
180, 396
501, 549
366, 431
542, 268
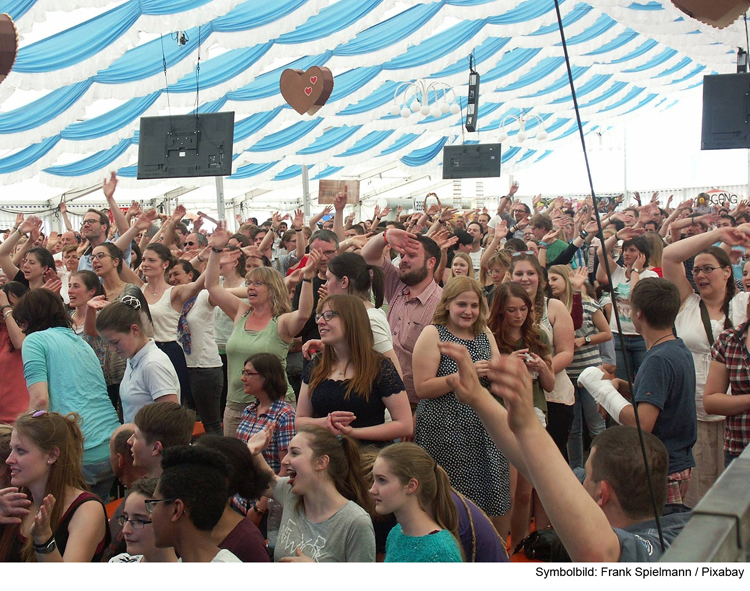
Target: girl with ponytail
349, 273
149, 377
325, 501
65, 523
707, 309
408, 483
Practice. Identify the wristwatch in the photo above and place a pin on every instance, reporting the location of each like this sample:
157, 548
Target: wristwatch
587, 339
47, 548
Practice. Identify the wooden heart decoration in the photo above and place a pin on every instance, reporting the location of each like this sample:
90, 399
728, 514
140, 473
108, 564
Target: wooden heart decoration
8, 45
306, 91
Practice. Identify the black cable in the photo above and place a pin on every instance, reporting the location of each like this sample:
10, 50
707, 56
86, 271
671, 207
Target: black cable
198, 80
600, 235
166, 80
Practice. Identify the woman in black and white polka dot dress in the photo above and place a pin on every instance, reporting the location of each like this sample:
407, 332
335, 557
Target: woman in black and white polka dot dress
448, 430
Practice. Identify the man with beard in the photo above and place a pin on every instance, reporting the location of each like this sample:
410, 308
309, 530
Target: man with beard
411, 292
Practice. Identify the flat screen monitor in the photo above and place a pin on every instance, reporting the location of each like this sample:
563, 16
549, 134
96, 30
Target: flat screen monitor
726, 112
186, 146
471, 161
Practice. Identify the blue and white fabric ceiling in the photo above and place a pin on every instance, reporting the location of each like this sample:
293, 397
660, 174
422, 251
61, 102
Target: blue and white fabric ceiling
69, 110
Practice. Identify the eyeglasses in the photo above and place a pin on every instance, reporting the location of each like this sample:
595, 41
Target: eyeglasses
134, 523
705, 269
190, 243
328, 315
526, 252
496, 271
247, 374
91, 222
151, 503
37, 413
101, 255
255, 283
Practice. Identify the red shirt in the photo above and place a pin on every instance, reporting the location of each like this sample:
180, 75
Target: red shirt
14, 395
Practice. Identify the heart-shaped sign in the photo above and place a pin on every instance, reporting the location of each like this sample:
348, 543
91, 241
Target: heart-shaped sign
8, 45
306, 91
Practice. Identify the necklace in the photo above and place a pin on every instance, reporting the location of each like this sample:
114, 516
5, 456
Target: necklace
666, 336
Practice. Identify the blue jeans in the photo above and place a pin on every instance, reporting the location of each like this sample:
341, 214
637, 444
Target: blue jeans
594, 421
100, 478
635, 349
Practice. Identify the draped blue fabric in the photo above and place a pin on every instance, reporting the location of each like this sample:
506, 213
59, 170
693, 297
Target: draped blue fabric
92, 163
330, 19
330, 139
422, 156
109, 122
252, 14
42, 110
16, 8
78, 43
27, 156
621, 70
389, 31
146, 60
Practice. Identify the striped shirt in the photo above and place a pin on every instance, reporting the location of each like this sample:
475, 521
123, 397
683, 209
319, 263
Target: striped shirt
588, 355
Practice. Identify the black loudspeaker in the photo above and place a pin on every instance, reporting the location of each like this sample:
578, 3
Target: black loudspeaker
472, 105
471, 161
726, 112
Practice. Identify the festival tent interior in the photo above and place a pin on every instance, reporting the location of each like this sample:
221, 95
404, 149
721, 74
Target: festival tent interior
87, 70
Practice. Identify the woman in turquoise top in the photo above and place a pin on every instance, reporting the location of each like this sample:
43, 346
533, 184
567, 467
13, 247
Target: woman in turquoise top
262, 324
408, 483
63, 375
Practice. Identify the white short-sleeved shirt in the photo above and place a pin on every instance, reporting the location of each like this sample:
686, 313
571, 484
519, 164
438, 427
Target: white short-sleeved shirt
381, 330
148, 375
690, 329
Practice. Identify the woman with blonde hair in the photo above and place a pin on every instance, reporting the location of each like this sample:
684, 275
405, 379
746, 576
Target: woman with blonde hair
408, 483
449, 431
65, 523
264, 323
461, 266
594, 330
348, 388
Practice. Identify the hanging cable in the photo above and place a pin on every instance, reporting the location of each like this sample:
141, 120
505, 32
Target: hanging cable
600, 235
198, 80
166, 80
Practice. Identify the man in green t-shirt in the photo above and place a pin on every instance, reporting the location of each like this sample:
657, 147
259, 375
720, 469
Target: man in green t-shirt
541, 225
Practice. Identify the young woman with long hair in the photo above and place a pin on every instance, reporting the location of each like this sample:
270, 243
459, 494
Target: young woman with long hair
703, 317
264, 322
65, 523
63, 375
449, 431
410, 484
107, 263
196, 335
37, 265
461, 266
594, 331
350, 273
512, 322
137, 527
326, 505
149, 377
349, 387
552, 317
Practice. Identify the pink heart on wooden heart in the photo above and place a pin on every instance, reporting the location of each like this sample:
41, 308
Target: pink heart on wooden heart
301, 89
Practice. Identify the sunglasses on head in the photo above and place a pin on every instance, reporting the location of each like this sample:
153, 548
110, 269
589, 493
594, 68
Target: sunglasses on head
526, 252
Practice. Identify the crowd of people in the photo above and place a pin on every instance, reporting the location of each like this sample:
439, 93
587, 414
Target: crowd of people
426, 386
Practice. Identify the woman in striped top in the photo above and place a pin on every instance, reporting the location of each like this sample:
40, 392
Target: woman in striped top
593, 330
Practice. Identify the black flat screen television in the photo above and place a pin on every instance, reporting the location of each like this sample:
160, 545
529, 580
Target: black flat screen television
471, 161
186, 146
726, 112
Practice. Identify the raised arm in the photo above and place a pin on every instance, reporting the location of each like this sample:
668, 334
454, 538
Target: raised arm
142, 224
171, 224
6, 248
291, 323
109, 187
338, 219
313, 223
65, 218
228, 303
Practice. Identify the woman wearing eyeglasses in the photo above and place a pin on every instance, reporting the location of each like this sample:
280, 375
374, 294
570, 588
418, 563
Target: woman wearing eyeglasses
348, 388
64, 522
137, 528
265, 323
702, 318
